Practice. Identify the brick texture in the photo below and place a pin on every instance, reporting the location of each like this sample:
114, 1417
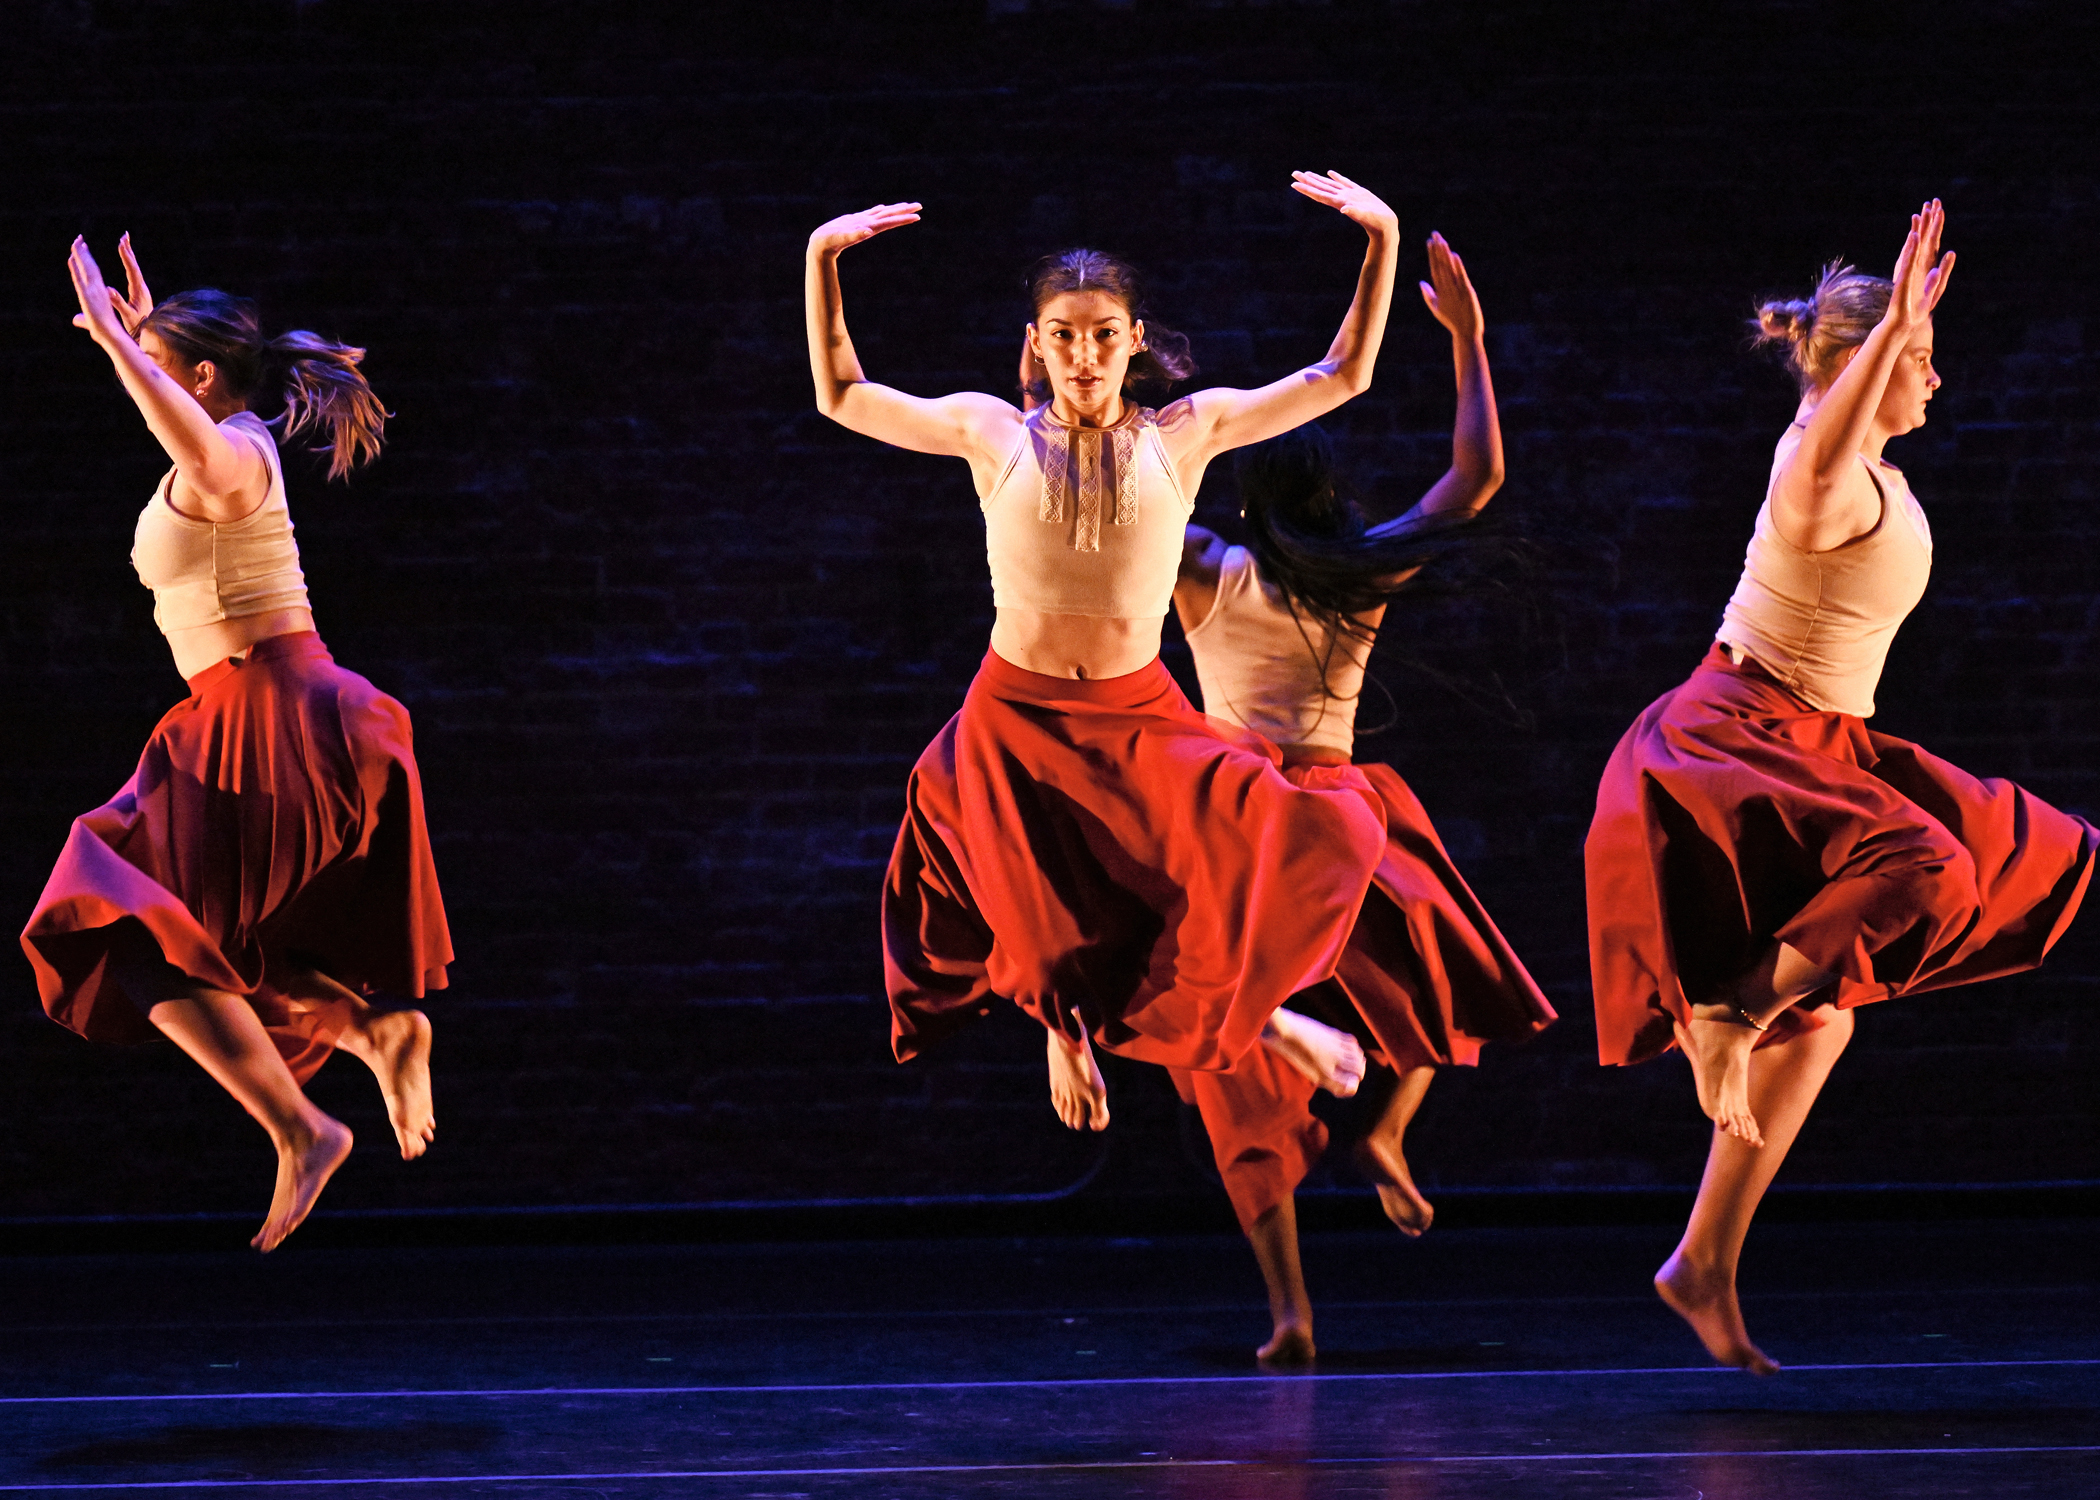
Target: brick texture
672, 641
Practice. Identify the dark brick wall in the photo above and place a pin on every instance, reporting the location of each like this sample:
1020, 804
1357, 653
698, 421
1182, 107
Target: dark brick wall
672, 641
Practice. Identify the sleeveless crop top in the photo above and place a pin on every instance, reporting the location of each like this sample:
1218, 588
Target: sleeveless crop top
1822, 622
202, 572
1086, 521
1259, 664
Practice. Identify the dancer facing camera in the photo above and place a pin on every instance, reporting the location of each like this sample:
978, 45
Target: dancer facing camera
267, 862
1281, 631
1078, 839
1761, 862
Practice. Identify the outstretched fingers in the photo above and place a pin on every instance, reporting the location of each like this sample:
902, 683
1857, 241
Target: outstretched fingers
850, 229
88, 286
137, 301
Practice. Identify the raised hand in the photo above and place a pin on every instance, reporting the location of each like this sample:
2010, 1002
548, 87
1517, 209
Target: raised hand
136, 302
98, 304
846, 230
1350, 199
1922, 272
1449, 292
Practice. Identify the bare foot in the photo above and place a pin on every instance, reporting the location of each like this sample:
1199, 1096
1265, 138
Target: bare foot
397, 1049
1078, 1092
1403, 1202
1332, 1059
1718, 1044
303, 1169
1707, 1302
1290, 1347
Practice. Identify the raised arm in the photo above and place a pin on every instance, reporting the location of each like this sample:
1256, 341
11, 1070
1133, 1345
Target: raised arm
967, 425
1476, 434
223, 477
1822, 499
1212, 421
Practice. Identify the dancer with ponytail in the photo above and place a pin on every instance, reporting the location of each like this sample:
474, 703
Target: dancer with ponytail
1281, 631
1078, 839
267, 863
1761, 862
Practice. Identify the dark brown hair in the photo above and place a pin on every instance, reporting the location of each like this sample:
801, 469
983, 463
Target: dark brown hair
317, 379
1165, 358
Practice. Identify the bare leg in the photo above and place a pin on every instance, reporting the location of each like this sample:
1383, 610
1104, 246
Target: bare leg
1379, 1155
1721, 1034
225, 1037
1078, 1092
1698, 1280
1275, 1240
395, 1045
1330, 1058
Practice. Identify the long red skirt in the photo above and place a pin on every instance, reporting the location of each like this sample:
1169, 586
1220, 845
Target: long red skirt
1732, 814
1098, 853
275, 815
1430, 979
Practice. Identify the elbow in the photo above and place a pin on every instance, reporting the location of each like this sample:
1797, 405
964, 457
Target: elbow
1352, 380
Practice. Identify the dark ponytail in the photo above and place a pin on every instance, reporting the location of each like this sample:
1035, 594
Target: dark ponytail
1314, 544
317, 379
1165, 358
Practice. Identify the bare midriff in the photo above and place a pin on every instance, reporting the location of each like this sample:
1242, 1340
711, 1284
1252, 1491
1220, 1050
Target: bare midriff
1313, 755
201, 646
1086, 647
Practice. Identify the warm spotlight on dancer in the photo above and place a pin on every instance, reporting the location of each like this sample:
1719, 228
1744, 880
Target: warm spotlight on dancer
1281, 631
267, 861
1078, 839
1761, 862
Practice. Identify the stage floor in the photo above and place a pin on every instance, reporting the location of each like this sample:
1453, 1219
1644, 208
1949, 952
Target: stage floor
1924, 1359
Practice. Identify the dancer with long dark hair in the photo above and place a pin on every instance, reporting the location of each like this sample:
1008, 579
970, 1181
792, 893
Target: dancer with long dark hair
267, 864
1281, 631
1078, 839
1761, 862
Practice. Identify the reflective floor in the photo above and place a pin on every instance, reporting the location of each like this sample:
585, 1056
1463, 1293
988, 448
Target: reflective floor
1951, 1359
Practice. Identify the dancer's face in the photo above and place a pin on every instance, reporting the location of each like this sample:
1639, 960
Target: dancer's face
1085, 340
1910, 386
200, 380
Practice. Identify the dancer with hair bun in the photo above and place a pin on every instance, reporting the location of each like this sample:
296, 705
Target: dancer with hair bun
1078, 839
1281, 631
267, 864
1761, 862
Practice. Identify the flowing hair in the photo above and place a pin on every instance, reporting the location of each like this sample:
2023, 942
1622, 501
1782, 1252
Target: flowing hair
1163, 361
323, 391
1315, 545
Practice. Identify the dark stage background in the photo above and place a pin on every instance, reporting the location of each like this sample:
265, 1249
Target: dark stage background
672, 641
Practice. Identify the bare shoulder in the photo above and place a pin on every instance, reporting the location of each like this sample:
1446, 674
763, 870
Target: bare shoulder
1182, 424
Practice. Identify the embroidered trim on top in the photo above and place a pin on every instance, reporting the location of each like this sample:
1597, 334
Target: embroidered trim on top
1080, 473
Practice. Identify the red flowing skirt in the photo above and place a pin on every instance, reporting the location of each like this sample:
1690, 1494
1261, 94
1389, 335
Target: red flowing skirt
1429, 978
1100, 854
274, 816
1732, 814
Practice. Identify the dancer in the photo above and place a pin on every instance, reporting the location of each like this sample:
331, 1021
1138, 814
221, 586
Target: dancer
267, 861
1281, 631
1078, 839
1761, 862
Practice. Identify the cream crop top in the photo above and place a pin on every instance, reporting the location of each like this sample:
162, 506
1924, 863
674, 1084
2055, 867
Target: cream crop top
1260, 665
202, 572
1822, 622
1086, 521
